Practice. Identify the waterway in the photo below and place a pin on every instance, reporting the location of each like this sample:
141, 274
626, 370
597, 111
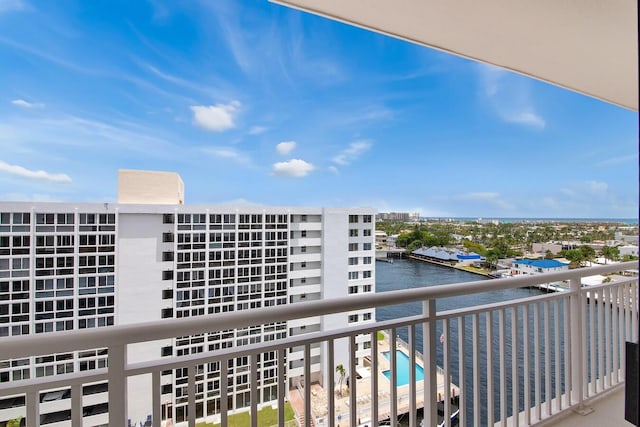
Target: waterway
407, 274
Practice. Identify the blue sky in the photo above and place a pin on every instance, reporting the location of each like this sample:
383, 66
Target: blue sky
255, 103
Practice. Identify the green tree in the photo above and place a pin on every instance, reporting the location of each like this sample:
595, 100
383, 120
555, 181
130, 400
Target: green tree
14, 422
548, 255
609, 253
588, 252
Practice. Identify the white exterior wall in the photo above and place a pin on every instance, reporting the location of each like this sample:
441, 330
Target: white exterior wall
531, 269
139, 296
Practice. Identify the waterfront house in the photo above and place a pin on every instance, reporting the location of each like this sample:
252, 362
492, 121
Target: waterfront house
538, 266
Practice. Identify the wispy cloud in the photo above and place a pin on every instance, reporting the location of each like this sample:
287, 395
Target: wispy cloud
228, 153
509, 96
13, 6
334, 170
31, 174
296, 168
285, 147
26, 104
352, 152
216, 118
257, 130
612, 161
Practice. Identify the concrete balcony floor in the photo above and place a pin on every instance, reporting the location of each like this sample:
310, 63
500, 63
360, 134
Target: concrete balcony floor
608, 410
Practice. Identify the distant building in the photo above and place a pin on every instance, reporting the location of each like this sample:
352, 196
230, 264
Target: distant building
630, 250
381, 238
542, 248
398, 216
538, 266
625, 238
448, 255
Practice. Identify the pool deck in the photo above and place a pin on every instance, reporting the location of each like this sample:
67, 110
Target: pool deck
319, 396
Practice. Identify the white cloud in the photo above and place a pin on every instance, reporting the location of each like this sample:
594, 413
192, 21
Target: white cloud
334, 169
295, 168
257, 130
480, 195
228, 153
285, 147
216, 118
25, 104
352, 152
526, 118
40, 175
510, 96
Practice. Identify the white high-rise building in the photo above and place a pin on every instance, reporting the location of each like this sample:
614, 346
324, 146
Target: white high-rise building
67, 266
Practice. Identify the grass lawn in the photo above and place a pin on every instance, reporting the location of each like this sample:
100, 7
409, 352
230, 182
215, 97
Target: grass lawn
473, 269
267, 417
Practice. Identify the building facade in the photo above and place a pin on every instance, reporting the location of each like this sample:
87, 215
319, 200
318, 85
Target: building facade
66, 267
538, 266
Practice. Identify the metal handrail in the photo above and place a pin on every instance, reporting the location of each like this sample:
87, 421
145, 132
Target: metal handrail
24, 346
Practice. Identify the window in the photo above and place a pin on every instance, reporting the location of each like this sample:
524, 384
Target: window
366, 232
366, 316
353, 289
353, 261
366, 288
353, 246
366, 246
366, 218
366, 274
353, 318
353, 232
167, 256
167, 237
167, 313
167, 275
353, 275
168, 219
303, 233
366, 260
353, 219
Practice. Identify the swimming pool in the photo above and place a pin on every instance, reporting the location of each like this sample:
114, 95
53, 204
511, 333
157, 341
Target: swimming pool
402, 369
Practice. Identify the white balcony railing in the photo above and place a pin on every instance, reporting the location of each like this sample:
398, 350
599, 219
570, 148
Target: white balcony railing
518, 361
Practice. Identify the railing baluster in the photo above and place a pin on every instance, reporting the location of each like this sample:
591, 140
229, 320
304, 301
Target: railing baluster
429, 358
253, 392
608, 367
76, 405
117, 357
547, 357
374, 379
618, 326
591, 389
308, 416
282, 388
447, 381
566, 334
515, 387
503, 367
526, 356
489, 382
412, 377
578, 344
476, 369
33, 408
461, 367
353, 391
536, 359
224, 387
331, 396
393, 375
156, 408
634, 311
556, 353
191, 393
600, 342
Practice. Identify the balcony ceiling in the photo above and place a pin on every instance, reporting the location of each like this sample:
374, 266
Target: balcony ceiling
590, 47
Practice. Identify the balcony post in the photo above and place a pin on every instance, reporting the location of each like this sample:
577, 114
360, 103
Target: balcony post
577, 347
117, 385
429, 360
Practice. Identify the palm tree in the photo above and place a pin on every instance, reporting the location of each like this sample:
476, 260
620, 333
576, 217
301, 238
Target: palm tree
342, 372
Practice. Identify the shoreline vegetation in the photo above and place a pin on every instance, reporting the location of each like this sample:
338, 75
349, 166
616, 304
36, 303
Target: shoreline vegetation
577, 242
